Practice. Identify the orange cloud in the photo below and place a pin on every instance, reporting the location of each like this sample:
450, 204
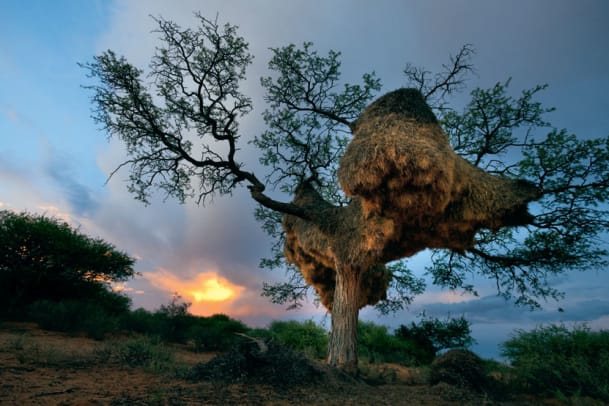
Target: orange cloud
208, 292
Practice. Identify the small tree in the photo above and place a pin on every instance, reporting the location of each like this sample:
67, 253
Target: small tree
43, 258
372, 183
431, 335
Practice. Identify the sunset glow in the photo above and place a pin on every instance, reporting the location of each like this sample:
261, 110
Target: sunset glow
213, 291
208, 292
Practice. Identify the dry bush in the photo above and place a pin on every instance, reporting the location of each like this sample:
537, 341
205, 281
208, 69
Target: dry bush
461, 368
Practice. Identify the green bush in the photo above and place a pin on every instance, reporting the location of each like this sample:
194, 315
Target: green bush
556, 360
57, 316
97, 323
215, 333
431, 335
95, 317
140, 321
306, 336
174, 321
43, 258
142, 352
174, 329
377, 345
174, 324
170, 323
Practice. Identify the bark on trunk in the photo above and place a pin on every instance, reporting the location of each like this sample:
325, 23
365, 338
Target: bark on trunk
342, 348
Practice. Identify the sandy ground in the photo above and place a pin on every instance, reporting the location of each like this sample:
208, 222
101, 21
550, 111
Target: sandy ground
47, 368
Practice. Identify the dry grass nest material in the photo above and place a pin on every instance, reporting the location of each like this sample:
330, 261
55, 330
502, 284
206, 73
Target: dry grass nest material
314, 246
401, 164
277, 366
409, 190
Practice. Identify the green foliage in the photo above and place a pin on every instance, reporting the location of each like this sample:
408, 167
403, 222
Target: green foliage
403, 287
42, 258
216, 333
307, 117
173, 323
142, 352
140, 321
499, 133
158, 324
306, 336
97, 316
556, 360
488, 126
187, 90
432, 335
377, 345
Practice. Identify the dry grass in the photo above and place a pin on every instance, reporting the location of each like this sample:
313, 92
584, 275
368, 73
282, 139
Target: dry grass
404, 169
76, 376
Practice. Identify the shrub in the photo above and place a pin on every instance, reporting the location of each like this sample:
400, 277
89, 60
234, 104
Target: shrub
306, 337
96, 315
556, 360
74, 316
215, 333
97, 323
432, 335
377, 345
461, 368
140, 352
172, 323
57, 316
277, 366
140, 321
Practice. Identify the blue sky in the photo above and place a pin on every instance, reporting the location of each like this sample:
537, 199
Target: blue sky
54, 160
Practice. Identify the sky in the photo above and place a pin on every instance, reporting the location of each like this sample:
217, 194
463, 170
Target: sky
55, 160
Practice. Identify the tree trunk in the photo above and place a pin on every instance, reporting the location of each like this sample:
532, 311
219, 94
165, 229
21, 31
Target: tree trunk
342, 348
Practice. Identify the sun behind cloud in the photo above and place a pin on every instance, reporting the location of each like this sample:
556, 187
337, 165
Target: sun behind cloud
212, 289
208, 292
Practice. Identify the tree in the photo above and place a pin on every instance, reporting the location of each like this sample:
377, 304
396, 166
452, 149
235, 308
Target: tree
42, 258
432, 335
372, 183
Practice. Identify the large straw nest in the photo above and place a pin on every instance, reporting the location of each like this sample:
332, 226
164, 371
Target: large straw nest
401, 165
410, 191
338, 235
399, 159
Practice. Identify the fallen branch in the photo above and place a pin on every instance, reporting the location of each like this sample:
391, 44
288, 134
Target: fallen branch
261, 344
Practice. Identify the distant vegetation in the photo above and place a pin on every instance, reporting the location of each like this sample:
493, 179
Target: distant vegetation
57, 277
562, 362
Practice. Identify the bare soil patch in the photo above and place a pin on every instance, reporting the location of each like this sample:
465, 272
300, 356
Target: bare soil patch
47, 368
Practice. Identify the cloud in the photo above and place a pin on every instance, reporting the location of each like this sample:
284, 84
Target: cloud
80, 197
496, 310
585, 310
208, 292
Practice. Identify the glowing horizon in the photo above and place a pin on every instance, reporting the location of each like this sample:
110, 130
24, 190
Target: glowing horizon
208, 292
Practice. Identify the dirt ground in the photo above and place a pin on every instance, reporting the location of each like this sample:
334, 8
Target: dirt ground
47, 368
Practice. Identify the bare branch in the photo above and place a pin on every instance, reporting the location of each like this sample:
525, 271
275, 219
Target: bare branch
436, 88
